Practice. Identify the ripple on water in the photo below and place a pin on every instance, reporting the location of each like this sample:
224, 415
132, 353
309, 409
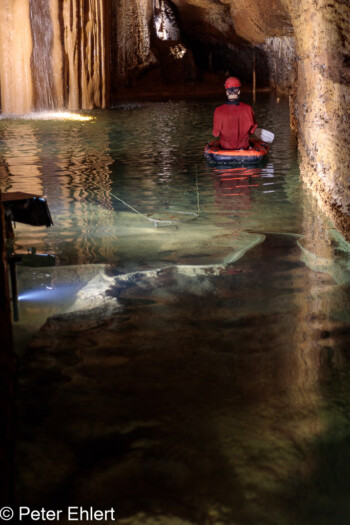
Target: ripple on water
211, 386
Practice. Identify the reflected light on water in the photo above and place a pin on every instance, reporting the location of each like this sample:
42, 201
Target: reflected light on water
229, 334
47, 293
51, 115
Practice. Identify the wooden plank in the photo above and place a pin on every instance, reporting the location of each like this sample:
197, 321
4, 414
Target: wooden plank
7, 373
18, 196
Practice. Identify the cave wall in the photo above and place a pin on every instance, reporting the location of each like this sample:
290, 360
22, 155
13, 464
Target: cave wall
84, 25
54, 54
306, 47
147, 48
280, 56
235, 31
302, 48
232, 21
15, 53
322, 102
209, 21
131, 48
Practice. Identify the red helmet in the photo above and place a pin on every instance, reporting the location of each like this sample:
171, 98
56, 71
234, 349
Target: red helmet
232, 82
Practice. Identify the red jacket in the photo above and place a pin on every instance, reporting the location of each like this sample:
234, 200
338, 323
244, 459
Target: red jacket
233, 123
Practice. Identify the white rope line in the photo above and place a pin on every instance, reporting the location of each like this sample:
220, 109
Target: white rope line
151, 219
197, 190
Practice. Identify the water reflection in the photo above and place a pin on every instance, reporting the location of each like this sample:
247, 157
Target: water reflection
21, 159
236, 182
213, 384
45, 159
222, 381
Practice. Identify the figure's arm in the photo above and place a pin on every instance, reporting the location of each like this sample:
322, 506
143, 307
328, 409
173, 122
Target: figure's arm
254, 124
216, 124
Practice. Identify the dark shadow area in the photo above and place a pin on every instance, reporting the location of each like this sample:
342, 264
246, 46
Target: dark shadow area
171, 407
322, 497
236, 60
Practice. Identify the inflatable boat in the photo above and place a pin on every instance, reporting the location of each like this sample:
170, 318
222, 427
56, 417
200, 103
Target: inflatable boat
216, 156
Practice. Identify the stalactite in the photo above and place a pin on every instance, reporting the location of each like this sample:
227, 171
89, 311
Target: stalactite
71, 53
57, 52
15, 54
92, 49
44, 89
281, 57
54, 54
86, 43
133, 17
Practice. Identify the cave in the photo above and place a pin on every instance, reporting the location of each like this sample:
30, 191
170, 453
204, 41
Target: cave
195, 373
101, 51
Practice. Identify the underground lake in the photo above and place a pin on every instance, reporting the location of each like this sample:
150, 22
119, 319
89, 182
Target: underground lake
186, 359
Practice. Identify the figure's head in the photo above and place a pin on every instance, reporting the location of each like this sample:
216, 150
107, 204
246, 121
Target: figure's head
232, 86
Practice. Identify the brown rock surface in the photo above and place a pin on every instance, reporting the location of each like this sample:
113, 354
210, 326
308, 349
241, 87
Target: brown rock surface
209, 20
254, 21
234, 20
322, 33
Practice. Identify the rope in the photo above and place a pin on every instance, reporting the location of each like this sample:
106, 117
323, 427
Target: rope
197, 190
147, 217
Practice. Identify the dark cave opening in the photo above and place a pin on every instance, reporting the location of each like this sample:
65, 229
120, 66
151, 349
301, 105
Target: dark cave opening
236, 60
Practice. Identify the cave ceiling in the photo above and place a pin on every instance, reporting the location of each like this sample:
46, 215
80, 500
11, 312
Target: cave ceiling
234, 21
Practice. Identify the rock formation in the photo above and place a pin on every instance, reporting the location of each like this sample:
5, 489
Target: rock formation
302, 49
15, 52
53, 55
58, 53
322, 35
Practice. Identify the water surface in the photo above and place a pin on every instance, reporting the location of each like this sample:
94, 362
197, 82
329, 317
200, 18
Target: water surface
210, 384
